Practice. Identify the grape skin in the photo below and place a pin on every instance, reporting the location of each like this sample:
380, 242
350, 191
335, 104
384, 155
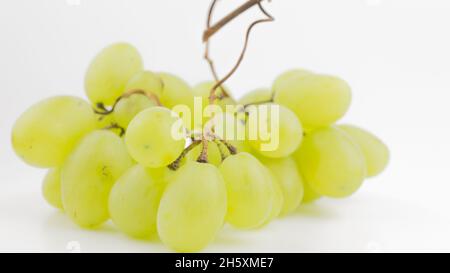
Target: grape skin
51, 188
376, 153
250, 191
193, 207
134, 201
45, 134
177, 92
289, 179
147, 81
256, 96
127, 108
331, 163
287, 76
89, 174
110, 71
290, 133
317, 100
149, 138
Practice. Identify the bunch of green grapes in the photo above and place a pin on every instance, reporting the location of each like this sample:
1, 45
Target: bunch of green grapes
161, 160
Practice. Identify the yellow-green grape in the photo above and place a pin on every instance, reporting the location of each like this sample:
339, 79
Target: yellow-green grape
376, 153
146, 81
127, 108
154, 138
250, 191
289, 179
47, 132
309, 195
51, 188
262, 95
104, 121
110, 71
331, 163
214, 156
89, 174
287, 76
192, 208
317, 100
281, 134
278, 198
177, 92
134, 201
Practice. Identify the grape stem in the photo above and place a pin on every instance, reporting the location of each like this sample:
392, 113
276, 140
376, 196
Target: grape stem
211, 30
104, 111
176, 164
116, 126
203, 157
219, 145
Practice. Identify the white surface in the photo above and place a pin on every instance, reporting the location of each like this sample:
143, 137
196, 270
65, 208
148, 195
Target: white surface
394, 53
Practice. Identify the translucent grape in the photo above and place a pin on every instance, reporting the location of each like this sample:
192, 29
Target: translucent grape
331, 163
279, 137
152, 140
110, 71
193, 207
177, 92
146, 81
89, 174
127, 108
317, 100
278, 198
51, 188
47, 132
289, 179
287, 76
309, 195
104, 121
256, 96
134, 201
376, 153
250, 191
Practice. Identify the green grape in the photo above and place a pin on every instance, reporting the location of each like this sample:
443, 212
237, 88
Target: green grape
192, 208
177, 92
250, 191
47, 132
317, 100
256, 96
289, 179
279, 136
104, 121
309, 195
89, 174
146, 81
134, 201
110, 71
278, 198
287, 76
331, 163
214, 156
154, 137
376, 153
51, 188
127, 108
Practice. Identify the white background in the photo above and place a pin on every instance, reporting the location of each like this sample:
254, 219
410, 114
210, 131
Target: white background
394, 53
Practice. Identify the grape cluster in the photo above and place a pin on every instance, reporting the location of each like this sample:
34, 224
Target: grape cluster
116, 156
